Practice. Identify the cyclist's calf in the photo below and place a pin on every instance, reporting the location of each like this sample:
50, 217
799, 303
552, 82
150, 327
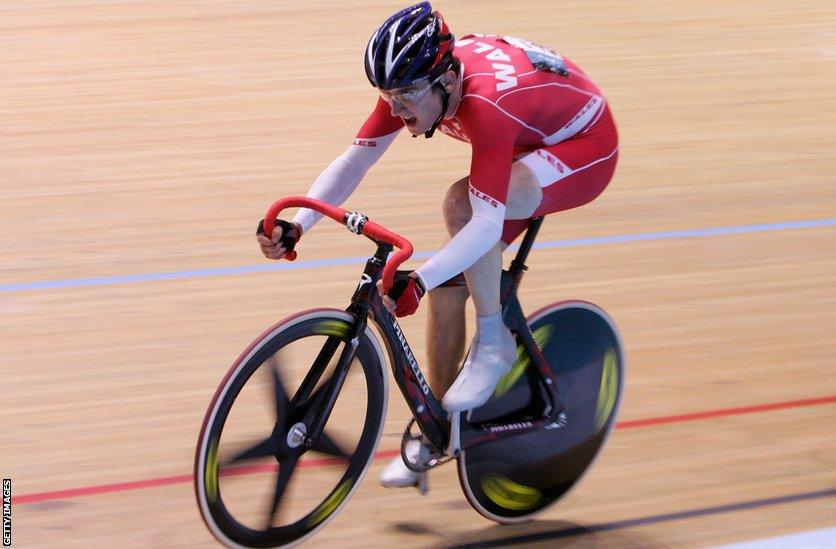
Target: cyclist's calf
446, 336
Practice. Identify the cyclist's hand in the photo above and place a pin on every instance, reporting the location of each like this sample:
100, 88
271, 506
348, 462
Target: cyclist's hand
406, 292
284, 238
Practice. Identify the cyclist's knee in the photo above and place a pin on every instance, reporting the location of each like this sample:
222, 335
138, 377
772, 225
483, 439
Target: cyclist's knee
524, 193
456, 207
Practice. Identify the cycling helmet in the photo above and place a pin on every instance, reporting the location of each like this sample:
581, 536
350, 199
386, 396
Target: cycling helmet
411, 46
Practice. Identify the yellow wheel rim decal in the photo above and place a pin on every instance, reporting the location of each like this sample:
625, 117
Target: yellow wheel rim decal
608, 392
541, 336
509, 494
336, 328
210, 476
331, 503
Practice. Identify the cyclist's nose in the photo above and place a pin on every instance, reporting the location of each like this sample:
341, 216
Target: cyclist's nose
397, 108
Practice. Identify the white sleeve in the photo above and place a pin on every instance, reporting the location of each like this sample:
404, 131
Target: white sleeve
342, 176
476, 238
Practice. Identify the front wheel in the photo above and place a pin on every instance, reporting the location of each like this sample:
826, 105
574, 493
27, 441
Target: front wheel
260, 479
513, 478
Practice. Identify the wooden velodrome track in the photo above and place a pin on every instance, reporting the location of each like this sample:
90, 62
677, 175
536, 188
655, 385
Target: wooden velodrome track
143, 137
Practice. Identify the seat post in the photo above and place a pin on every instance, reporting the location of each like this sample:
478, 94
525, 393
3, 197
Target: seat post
518, 264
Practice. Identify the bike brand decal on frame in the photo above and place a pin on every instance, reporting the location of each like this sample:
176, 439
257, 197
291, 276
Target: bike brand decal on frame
413, 364
505, 427
365, 279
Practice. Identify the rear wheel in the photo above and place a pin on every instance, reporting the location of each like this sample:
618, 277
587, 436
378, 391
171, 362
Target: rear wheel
515, 477
259, 481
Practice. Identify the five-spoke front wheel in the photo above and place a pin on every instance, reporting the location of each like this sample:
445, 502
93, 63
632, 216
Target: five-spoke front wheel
261, 478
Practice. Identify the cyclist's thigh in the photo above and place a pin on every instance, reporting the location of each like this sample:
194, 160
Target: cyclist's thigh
571, 173
524, 193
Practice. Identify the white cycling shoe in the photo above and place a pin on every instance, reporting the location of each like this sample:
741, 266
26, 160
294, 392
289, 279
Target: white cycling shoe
398, 475
485, 365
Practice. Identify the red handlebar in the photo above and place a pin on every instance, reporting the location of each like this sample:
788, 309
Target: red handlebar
340, 215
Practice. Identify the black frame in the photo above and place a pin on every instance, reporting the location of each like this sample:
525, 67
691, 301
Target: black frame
431, 418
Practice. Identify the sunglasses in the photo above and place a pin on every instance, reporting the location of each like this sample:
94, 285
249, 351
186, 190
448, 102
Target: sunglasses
409, 95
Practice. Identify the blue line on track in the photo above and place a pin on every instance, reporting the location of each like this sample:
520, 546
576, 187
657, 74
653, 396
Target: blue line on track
515, 541
341, 261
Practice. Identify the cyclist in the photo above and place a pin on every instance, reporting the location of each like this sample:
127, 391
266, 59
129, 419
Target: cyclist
542, 139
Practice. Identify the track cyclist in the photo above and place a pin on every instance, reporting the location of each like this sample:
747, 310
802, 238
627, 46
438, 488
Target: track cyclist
542, 139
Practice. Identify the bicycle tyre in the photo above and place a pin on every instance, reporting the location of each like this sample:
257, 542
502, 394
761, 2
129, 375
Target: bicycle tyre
329, 322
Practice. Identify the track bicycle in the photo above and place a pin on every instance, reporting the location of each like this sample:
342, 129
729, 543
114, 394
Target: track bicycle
272, 471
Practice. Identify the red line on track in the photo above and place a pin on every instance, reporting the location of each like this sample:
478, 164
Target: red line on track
725, 412
178, 479
164, 481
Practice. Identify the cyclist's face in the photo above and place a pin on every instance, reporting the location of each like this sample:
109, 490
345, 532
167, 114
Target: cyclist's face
418, 106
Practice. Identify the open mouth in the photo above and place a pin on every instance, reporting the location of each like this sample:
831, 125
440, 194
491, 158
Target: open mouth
409, 121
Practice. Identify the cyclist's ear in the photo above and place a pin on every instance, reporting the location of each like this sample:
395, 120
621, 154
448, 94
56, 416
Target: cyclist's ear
447, 80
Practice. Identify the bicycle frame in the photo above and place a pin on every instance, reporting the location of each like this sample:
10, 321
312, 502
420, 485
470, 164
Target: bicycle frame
432, 419
508, 481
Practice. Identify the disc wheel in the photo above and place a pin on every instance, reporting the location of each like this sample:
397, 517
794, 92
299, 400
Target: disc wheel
513, 478
260, 480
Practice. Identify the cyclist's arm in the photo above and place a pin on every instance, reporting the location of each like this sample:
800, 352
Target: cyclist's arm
342, 176
490, 174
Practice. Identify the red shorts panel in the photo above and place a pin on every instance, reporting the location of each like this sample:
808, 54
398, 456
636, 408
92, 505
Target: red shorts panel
582, 168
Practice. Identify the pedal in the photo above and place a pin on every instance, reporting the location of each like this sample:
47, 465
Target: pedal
426, 459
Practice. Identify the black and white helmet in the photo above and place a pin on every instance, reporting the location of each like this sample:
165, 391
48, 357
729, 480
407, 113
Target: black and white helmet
411, 46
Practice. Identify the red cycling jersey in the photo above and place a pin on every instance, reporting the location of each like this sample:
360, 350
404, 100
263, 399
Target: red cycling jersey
519, 102
507, 107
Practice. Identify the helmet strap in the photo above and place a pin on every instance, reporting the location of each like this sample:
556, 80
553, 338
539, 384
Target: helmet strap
445, 103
